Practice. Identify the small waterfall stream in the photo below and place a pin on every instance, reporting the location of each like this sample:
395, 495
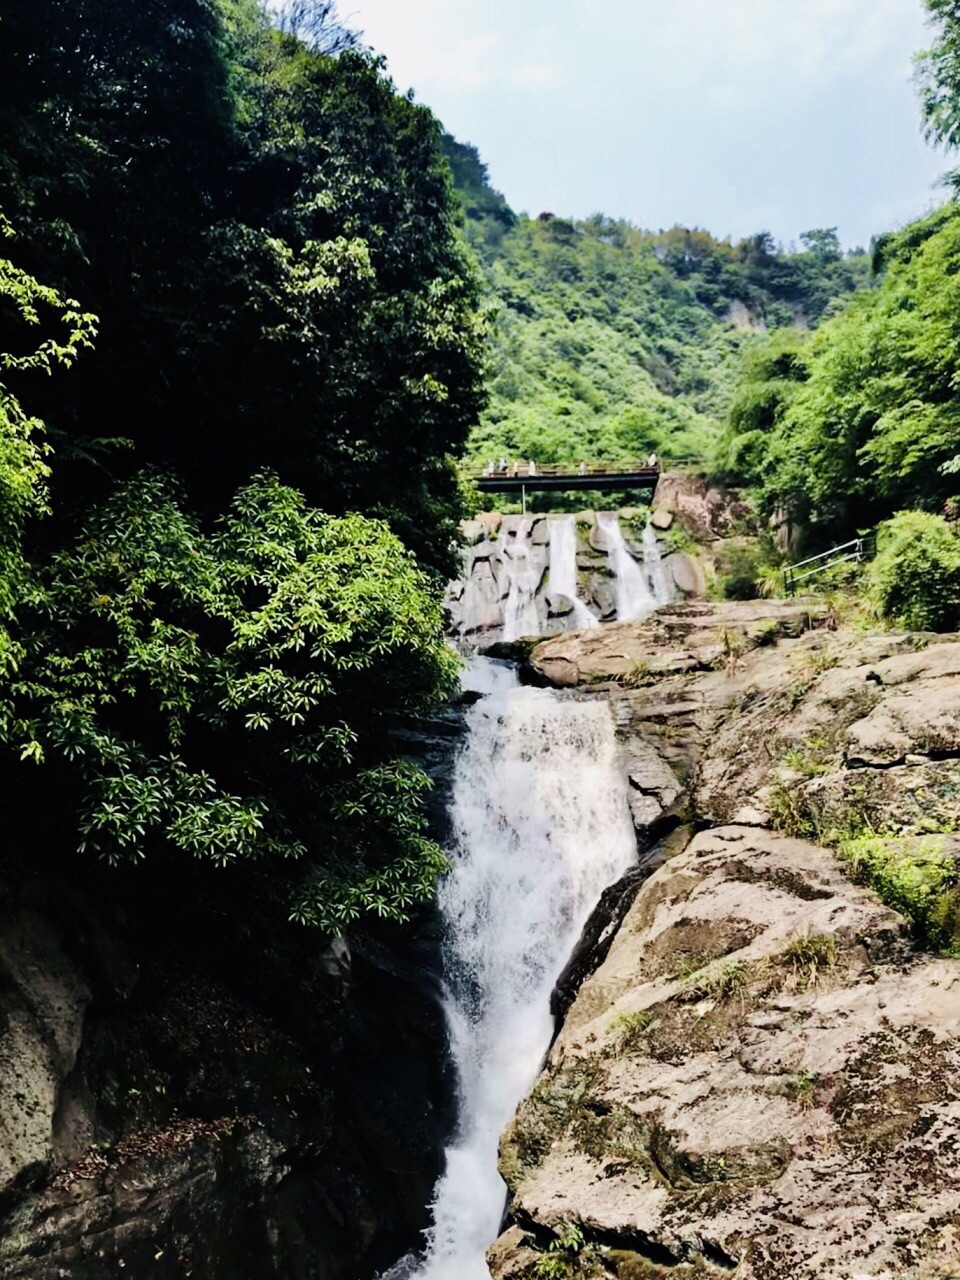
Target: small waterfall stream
563, 569
541, 823
638, 590
523, 577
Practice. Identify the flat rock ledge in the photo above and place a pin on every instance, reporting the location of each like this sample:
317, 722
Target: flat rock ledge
762, 1079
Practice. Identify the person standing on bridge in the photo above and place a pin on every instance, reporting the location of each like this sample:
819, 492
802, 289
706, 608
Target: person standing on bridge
502, 465
653, 462
531, 468
583, 468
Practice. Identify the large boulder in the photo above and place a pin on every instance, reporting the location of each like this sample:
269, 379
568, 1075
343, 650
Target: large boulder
762, 1077
45, 998
687, 573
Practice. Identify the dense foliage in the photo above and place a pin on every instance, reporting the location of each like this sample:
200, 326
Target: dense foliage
216, 624
611, 341
845, 425
23, 468
841, 428
938, 74
267, 237
915, 578
226, 694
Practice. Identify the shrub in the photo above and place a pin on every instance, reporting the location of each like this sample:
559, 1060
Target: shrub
738, 580
915, 578
226, 693
916, 877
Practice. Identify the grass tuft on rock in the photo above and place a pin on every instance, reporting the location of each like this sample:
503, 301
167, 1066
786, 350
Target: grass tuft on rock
914, 875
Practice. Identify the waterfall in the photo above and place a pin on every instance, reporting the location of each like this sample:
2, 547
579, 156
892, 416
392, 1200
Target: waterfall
520, 606
540, 816
563, 568
638, 591
663, 590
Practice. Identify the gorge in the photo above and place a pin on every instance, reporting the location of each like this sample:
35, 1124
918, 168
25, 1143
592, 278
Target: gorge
392, 888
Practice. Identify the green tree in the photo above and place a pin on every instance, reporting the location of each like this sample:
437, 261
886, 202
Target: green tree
915, 578
873, 420
823, 243
609, 340
269, 236
938, 75
225, 695
23, 454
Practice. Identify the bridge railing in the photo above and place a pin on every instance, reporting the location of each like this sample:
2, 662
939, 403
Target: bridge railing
857, 549
522, 468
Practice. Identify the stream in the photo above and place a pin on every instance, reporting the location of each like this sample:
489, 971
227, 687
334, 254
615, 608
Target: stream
541, 827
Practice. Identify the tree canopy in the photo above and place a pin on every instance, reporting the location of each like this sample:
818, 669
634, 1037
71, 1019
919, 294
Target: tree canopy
610, 341
246, 482
846, 425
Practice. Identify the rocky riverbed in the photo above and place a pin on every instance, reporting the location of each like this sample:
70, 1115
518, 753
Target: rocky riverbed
758, 1072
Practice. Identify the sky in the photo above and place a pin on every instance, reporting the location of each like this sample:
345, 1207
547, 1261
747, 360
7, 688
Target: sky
734, 115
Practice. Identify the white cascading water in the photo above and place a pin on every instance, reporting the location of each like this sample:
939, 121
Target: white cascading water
563, 568
663, 589
520, 606
638, 590
539, 810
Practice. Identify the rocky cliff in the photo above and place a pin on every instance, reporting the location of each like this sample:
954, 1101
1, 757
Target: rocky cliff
177, 1100
758, 1072
697, 529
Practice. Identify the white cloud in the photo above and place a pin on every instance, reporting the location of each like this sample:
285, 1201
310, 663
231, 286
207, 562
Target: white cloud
436, 45
735, 113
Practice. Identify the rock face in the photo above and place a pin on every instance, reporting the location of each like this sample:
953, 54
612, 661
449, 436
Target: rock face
766, 714
477, 602
173, 1104
760, 1077
155, 1121
758, 1072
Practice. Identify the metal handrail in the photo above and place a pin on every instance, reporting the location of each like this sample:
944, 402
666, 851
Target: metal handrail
856, 549
854, 542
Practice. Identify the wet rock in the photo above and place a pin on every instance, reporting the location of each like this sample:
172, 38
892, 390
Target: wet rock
600, 596
562, 672
540, 532
558, 606
606, 918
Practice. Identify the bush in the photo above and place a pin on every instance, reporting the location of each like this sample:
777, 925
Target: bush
917, 877
227, 694
915, 578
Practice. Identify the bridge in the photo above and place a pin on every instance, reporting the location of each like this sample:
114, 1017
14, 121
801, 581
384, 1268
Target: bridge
555, 476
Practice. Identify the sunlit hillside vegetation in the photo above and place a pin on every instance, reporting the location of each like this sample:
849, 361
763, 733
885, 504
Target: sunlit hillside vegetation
861, 418
610, 341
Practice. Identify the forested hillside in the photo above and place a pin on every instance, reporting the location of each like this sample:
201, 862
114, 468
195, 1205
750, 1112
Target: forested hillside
841, 428
610, 340
237, 258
